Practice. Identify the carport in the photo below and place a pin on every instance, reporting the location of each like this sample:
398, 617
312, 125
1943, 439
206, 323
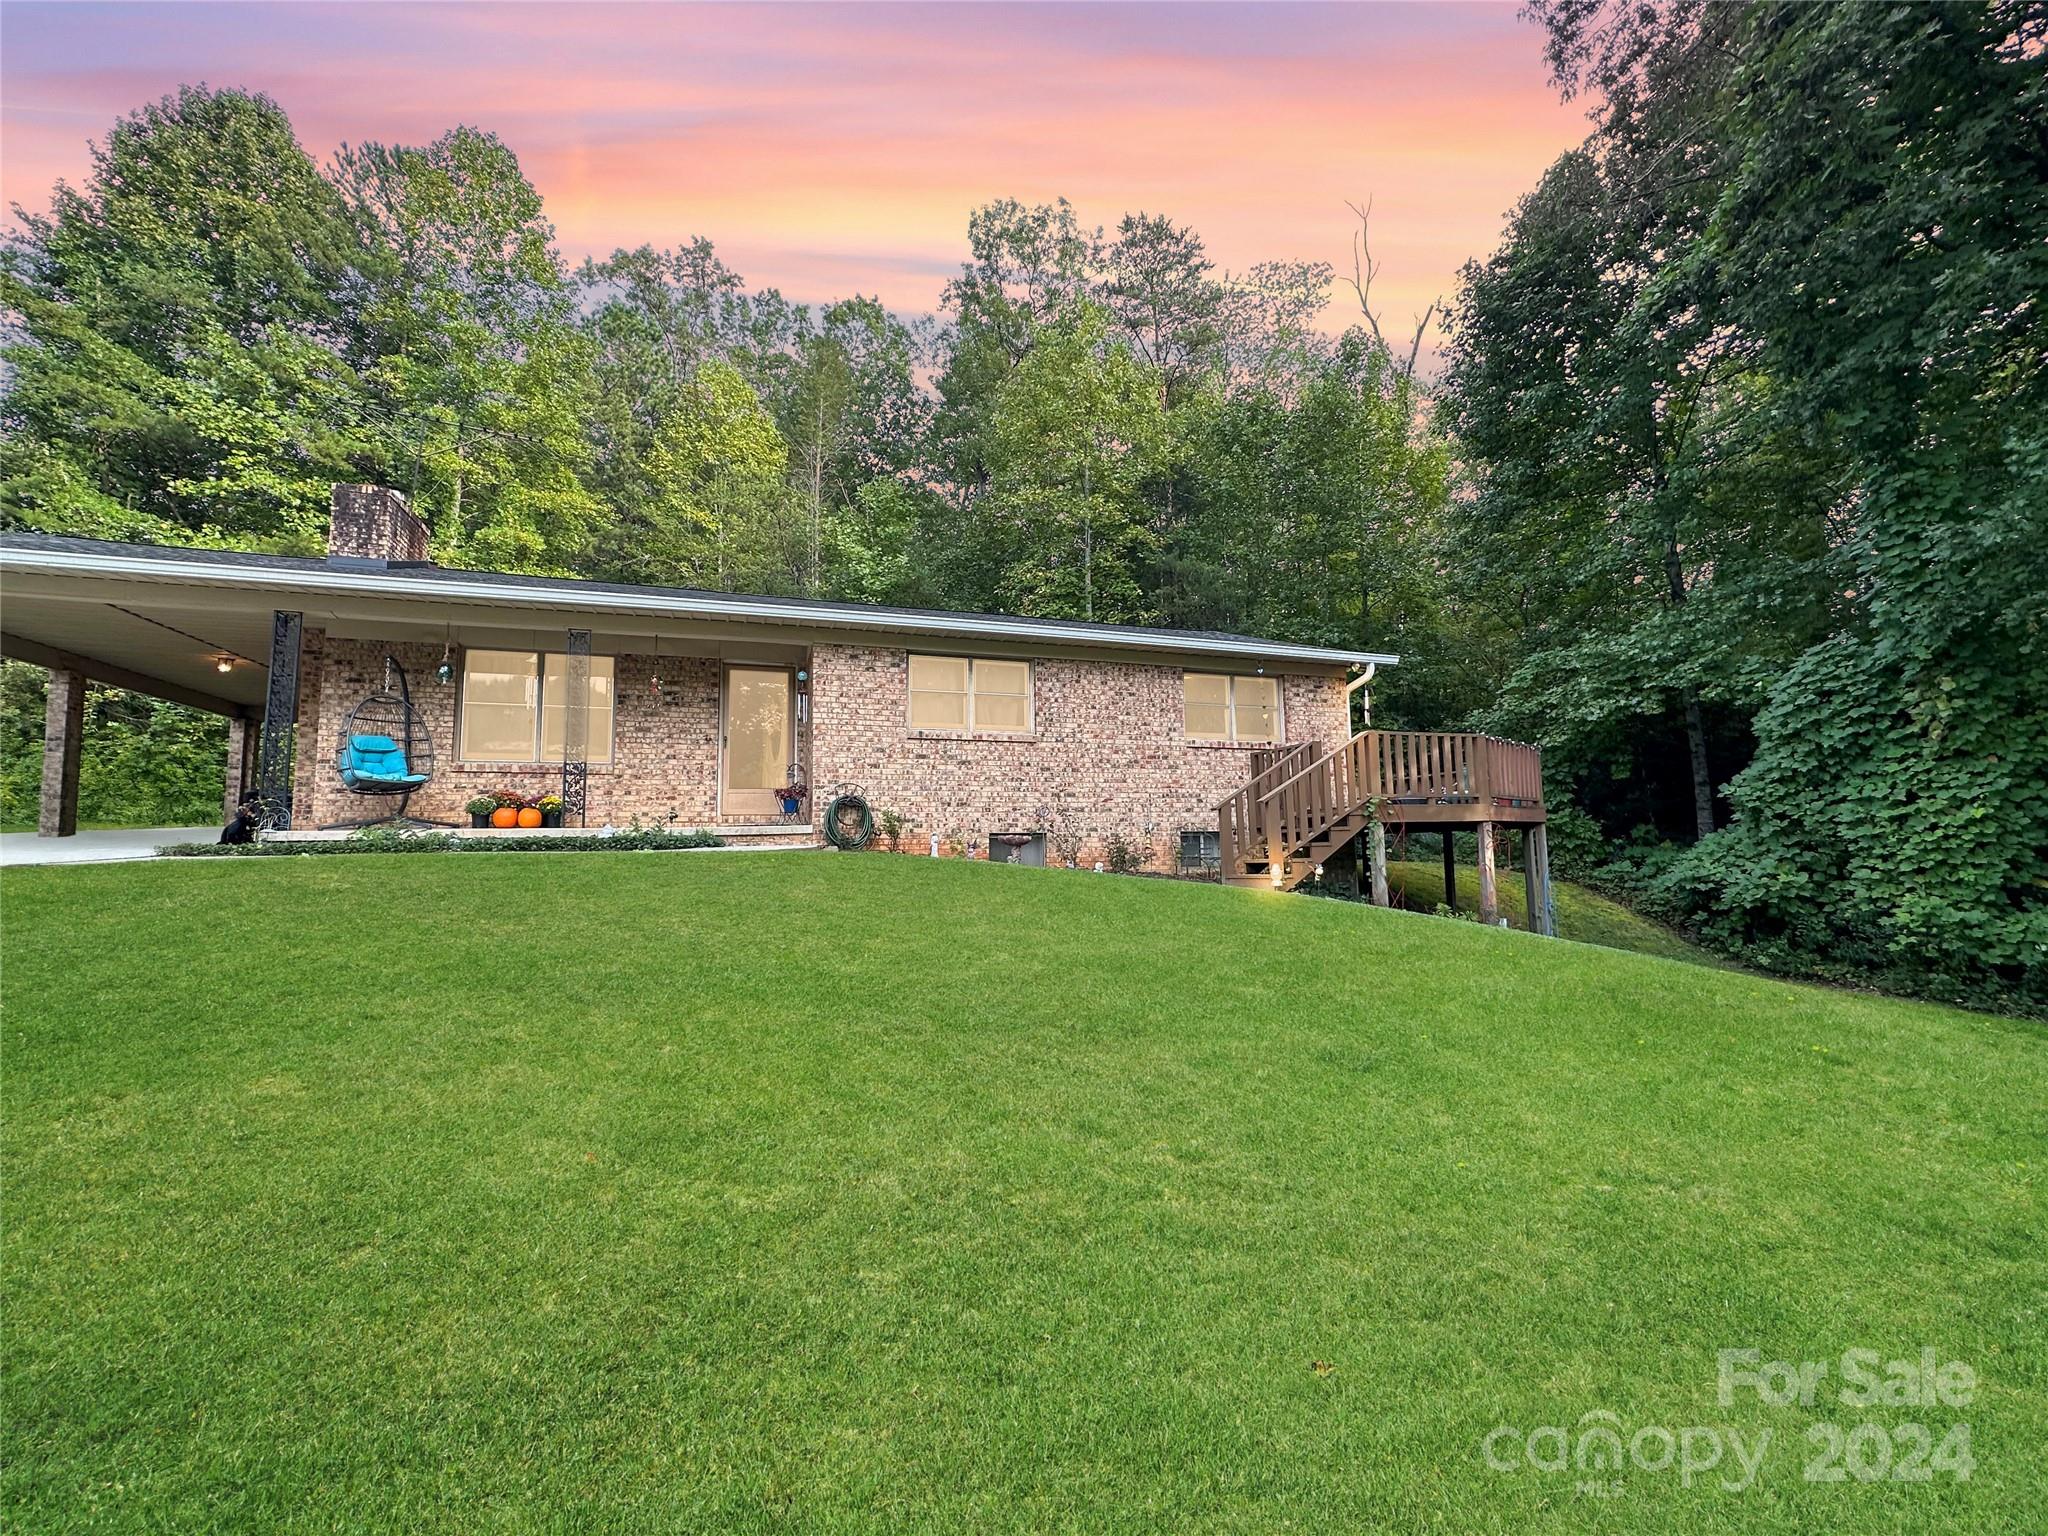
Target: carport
203, 649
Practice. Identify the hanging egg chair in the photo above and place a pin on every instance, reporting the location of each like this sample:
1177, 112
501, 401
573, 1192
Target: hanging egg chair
385, 747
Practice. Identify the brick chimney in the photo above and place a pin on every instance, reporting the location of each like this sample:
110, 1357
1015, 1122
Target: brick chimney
374, 525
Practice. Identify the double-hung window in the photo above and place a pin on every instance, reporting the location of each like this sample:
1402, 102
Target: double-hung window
515, 707
958, 693
1217, 707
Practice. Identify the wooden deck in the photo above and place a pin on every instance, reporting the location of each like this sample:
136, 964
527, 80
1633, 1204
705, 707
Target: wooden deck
1303, 807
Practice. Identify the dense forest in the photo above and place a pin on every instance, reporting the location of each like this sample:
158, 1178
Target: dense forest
1730, 485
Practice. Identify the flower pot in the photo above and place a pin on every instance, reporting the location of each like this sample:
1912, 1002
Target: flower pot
551, 818
530, 817
479, 818
790, 807
505, 816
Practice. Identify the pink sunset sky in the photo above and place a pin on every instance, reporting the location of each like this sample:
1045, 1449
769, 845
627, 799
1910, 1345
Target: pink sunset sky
834, 150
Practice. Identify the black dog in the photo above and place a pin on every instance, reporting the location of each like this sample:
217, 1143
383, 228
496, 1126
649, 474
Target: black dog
243, 828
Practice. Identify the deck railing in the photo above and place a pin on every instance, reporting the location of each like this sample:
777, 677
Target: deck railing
1297, 795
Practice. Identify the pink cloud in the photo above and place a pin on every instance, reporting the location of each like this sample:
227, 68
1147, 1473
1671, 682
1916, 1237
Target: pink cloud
832, 150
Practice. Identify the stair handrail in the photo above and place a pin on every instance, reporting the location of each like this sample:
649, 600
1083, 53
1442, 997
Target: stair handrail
1234, 812
1295, 817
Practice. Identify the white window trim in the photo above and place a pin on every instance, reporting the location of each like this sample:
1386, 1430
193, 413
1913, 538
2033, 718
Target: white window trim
540, 680
1230, 738
1030, 727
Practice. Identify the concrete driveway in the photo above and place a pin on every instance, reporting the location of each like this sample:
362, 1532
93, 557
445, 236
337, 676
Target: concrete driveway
23, 848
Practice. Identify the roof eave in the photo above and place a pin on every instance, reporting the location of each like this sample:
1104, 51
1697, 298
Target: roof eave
398, 582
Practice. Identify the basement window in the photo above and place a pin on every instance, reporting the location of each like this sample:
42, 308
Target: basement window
1200, 850
1017, 848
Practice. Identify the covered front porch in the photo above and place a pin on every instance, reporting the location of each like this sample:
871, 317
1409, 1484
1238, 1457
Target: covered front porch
649, 718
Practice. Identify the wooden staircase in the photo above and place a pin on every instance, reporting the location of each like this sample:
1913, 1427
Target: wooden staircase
1300, 808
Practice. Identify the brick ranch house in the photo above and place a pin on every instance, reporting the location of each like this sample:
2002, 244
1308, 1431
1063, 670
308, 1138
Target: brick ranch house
1001, 737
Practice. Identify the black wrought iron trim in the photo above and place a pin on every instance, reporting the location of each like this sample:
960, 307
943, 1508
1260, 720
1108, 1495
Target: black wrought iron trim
277, 740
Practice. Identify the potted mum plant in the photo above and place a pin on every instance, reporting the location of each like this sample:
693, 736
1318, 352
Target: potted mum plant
550, 808
480, 808
791, 796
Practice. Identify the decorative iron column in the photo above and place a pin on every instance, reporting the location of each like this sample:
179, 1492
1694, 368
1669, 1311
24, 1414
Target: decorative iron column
280, 721
576, 730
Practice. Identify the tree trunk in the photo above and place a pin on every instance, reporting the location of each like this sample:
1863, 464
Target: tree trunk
1695, 721
1087, 545
1702, 780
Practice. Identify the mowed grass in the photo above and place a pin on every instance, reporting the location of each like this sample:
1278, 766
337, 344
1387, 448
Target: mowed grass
1583, 915
753, 1192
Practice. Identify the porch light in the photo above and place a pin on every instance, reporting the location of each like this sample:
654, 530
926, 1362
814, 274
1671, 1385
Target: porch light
223, 663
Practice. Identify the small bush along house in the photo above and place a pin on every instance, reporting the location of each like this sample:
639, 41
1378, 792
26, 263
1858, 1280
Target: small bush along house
374, 682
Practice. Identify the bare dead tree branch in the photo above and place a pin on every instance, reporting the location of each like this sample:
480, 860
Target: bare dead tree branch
1363, 270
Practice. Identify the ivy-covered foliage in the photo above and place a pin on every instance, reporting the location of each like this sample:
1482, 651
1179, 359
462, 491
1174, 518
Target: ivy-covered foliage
1796, 277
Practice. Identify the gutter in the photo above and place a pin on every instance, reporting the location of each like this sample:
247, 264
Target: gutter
398, 582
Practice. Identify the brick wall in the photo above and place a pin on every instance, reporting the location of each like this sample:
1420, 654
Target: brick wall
665, 749
1107, 756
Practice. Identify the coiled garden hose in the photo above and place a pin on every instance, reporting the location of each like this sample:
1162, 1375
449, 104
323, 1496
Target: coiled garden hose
849, 824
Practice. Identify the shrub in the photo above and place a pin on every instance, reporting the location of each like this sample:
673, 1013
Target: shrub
393, 840
1124, 856
1577, 845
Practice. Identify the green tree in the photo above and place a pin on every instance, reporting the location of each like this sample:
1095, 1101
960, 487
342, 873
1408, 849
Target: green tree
1891, 271
718, 510
177, 363
482, 370
1074, 432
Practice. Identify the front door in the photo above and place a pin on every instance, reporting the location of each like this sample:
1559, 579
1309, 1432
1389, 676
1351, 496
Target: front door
757, 741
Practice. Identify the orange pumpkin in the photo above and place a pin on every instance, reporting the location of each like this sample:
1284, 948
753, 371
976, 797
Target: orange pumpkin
504, 816
529, 817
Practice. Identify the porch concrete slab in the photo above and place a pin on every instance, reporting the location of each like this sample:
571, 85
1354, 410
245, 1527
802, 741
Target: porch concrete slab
24, 848
776, 829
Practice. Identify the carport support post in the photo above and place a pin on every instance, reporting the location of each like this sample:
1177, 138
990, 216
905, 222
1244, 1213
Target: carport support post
280, 721
240, 776
1378, 839
1489, 894
63, 732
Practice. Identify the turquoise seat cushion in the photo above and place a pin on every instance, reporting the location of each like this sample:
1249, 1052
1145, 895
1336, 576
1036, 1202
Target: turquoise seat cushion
377, 760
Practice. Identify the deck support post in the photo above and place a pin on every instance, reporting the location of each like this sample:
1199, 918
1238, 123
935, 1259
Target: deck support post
1546, 899
1532, 881
63, 737
1377, 838
1489, 894
1451, 868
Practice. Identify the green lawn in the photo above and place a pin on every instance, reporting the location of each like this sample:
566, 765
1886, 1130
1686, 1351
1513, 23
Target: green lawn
1582, 914
752, 1192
